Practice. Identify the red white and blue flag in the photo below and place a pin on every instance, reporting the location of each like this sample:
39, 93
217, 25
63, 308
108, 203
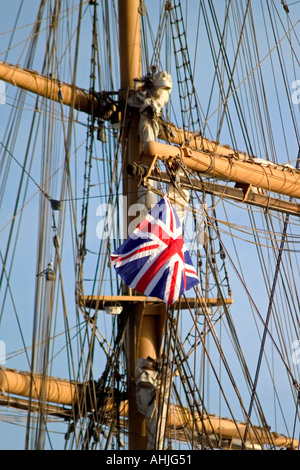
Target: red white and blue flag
154, 259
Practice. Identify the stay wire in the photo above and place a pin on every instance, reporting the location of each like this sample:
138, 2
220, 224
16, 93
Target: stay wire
246, 78
243, 361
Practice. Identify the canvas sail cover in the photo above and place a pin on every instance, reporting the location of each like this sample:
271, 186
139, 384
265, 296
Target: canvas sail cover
150, 100
152, 392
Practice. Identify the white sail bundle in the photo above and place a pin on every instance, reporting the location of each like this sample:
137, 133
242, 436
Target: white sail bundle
150, 101
151, 397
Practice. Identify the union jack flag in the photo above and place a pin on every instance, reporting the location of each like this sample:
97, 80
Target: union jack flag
154, 259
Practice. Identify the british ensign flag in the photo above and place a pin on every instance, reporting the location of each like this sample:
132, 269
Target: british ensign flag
154, 260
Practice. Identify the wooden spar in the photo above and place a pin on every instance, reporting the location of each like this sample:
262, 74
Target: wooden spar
236, 167
225, 428
273, 178
58, 391
238, 194
35, 405
180, 419
62, 392
52, 89
47, 87
170, 133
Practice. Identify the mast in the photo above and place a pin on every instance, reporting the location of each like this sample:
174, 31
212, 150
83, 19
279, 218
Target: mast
144, 321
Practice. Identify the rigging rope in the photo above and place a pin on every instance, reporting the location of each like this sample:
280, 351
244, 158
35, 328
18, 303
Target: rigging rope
246, 78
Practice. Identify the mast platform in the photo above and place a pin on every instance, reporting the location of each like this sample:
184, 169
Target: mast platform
101, 301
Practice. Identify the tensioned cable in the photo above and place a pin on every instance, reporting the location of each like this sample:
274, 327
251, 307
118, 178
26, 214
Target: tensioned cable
289, 371
246, 78
234, 336
66, 170
25, 171
258, 367
33, 34
281, 61
266, 323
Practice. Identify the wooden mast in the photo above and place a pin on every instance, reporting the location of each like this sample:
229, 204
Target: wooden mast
130, 68
145, 321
